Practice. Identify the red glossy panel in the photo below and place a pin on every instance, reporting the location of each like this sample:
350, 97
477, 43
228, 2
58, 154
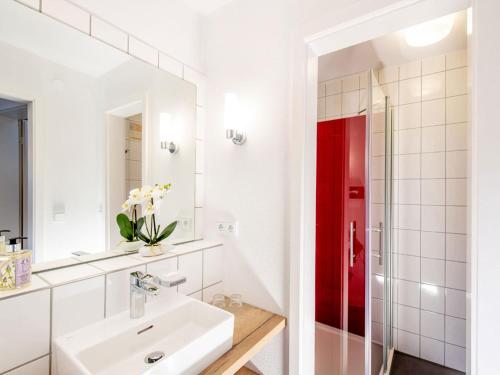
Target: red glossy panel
340, 200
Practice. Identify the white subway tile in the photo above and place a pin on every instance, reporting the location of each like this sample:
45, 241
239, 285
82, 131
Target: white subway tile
409, 217
434, 86
350, 83
333, 105
432, 350
456, 137
76, 305
456, 192
350, 102
433, 245
456, 219
433, 138
200, 81
143, 51
321, 108
409, 116
410, 70
26, 324
363, 99
456, 164
432, 325
409, 141
455, 331
433, 218
433, 165
456, 275
38, 367
321, 89
118, 290
391, 90
456, 303
109, 34
197, 295
410, 90
213, 262
455, 357
433, 64
191, 266
432, 271
409, 191
433, 191
389, 74
456, 82
409, 268
408, 343
434, 112
409, 319
433, 298
363, 80
67, 13
378, 144
333, 87
409, 166
456, 247
457, 109
456, 59
378, 167
409, 242
408, 293
208, 293
377, 191
35, 4
171, 65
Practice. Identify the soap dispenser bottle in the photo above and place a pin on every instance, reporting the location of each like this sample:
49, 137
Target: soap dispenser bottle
15, 265
2, 240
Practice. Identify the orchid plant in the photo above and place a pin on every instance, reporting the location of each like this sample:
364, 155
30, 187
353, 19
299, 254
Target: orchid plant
148, 199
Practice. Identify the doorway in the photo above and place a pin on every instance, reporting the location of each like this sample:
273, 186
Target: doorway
15, 200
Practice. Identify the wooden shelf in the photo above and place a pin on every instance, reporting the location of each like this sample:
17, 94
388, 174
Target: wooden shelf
253, 328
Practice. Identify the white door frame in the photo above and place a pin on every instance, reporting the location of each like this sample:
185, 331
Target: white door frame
386, 20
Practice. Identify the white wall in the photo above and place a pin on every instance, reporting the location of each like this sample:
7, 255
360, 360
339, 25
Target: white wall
248, 54
170, 25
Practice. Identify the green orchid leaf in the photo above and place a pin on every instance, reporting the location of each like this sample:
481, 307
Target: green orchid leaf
167, 231
125, 226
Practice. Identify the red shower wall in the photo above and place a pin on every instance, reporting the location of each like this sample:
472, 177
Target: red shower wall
340, 200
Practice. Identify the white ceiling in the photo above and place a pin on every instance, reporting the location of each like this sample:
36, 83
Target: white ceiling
205, 6
389, 50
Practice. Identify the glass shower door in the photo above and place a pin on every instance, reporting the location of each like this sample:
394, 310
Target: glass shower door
380, 228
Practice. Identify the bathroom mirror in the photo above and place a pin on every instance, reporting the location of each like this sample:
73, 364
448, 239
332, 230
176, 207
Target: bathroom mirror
80, 126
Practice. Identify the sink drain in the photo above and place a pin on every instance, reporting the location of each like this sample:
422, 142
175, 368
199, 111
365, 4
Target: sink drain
154, 357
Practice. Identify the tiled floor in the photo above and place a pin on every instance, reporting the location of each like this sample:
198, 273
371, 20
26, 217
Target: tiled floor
404, 364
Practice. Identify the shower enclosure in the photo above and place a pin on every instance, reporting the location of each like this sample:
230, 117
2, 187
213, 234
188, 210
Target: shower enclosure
354, 239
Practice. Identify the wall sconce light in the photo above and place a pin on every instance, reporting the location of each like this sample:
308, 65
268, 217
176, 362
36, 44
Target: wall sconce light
232, 119
168, 133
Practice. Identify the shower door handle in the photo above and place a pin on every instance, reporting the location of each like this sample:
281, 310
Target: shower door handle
380, 231
351, 243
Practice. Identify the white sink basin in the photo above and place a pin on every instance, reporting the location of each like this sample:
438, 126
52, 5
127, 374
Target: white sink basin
190, 333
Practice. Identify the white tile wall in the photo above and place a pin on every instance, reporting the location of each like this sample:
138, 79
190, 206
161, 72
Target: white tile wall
37, 367
191, 266
26, 322
67, 13
431, 144
109, 34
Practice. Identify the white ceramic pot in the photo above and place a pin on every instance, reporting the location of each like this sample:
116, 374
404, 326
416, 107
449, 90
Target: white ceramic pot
129, 247
151, 250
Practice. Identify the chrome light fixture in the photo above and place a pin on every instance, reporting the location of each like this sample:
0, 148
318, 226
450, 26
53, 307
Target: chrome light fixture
232, 121
168, 133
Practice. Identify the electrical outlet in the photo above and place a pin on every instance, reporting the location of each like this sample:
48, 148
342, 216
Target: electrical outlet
227, 228
185, 224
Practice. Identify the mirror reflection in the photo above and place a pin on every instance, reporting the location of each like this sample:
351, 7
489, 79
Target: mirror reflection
81, 125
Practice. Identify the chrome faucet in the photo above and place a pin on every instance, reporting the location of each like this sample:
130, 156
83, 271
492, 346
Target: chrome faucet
142, 285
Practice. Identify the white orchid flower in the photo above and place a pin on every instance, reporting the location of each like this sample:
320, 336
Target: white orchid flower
126, 206
136, 197
150, 209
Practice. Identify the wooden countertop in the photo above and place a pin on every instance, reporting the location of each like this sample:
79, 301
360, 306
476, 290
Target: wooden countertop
253, 328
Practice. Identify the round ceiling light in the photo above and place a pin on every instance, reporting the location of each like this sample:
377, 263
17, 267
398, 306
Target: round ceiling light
430, 32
